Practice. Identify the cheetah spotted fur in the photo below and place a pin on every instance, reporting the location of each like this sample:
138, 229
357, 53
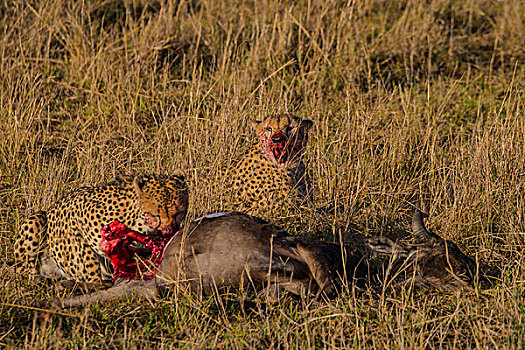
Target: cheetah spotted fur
271, 176
64, 242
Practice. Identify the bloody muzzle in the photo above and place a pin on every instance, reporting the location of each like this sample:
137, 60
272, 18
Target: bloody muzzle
284, 148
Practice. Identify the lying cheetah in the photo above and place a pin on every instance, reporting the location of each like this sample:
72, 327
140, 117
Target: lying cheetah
272, 175
64, 242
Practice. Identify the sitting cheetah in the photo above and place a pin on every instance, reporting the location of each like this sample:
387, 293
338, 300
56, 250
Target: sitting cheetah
272, 173
65, 240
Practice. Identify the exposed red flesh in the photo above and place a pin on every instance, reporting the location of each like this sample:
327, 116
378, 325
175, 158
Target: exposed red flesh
132, 254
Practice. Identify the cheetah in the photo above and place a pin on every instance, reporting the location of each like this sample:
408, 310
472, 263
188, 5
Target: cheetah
272, 174
64, 242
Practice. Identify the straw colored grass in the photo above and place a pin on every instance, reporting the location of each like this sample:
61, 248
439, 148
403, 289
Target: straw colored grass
416, 105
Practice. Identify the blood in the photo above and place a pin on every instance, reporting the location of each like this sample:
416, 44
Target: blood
278, 149
283, 151
132, 254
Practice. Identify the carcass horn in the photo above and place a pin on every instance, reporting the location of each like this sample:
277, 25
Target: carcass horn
418, 227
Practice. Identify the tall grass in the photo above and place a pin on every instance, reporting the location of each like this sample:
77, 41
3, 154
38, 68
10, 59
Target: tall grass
416, 105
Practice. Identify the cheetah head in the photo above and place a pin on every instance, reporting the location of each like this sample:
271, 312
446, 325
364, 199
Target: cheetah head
162, 200
283, 137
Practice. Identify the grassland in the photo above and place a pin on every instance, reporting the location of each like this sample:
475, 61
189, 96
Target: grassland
416, 105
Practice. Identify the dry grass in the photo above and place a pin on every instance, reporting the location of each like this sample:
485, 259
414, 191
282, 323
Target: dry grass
416, 105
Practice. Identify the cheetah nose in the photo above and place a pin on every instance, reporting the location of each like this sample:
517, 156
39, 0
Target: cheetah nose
278, 138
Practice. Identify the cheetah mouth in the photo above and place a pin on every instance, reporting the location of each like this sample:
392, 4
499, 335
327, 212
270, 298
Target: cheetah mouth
169, 230
154, 222
282, 150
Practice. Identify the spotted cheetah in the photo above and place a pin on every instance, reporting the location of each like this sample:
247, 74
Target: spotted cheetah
272, 175
64, 242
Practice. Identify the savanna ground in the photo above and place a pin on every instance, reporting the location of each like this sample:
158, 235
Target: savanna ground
416, 105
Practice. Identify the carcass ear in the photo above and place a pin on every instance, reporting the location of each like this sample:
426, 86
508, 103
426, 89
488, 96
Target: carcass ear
383, 245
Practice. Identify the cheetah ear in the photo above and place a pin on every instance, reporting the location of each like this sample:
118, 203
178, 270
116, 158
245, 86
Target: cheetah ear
255, 123
306, 123
179, 174
139, 182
